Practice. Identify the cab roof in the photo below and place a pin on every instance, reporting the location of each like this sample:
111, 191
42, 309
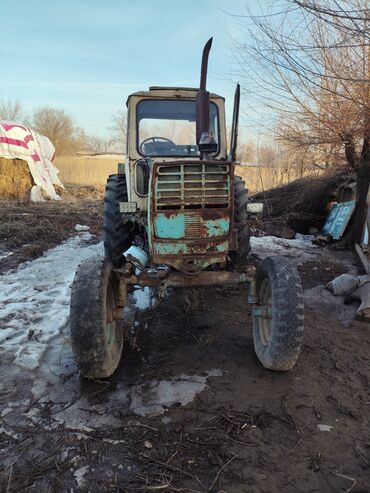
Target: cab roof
171, 92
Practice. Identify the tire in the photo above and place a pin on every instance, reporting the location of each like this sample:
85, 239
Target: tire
278, 319
97, 340
118, 236
240, 257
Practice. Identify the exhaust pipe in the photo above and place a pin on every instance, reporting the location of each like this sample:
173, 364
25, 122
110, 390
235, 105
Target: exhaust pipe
205, 140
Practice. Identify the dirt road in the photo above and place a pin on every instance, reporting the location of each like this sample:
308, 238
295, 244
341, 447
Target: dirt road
190, 408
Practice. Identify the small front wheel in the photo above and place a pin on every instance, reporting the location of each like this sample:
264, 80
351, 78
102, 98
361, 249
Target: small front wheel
278, 318
96, 333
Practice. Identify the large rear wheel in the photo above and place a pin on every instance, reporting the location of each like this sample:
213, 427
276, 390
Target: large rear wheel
278, 318
118, 234
240, 257
96, 333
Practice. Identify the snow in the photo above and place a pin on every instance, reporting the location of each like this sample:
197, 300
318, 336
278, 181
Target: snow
34, 300
300, 249
153, 397
143, 298
322, 427
157, 396
82, 227
79, 476
5, 255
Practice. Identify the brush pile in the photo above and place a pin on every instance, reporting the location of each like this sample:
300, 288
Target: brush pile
303, 204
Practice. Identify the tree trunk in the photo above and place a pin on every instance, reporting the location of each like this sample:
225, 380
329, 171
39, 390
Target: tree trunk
355, 229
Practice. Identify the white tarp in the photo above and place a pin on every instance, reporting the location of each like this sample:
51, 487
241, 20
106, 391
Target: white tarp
20, 142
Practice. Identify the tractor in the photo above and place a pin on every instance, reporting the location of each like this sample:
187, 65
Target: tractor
176, 216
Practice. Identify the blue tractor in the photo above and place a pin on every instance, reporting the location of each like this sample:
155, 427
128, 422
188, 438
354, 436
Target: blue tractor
176, 215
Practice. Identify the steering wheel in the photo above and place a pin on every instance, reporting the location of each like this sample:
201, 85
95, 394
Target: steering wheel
155, 140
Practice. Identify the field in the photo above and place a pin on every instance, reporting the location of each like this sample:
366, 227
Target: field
78, 170
190, 408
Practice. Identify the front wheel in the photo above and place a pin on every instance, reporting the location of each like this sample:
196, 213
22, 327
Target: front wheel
278, 318
96, 333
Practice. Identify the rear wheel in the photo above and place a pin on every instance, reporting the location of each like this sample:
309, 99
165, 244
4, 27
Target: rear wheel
97, 337
239, 257
278, 319
118, 235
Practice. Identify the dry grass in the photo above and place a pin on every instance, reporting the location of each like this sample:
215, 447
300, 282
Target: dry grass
90, 171
259, 179
78, 193
15, 179
79, 170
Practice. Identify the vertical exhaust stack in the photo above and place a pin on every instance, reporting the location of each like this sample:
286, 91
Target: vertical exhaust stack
205, 140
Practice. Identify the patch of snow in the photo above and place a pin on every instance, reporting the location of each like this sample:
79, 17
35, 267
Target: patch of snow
304, 238
82, 227
14, 404
82, 416
156, 397
79, 475
34, 300
324, 427
143, 298
113, 442
10, 433
5, 255
40, 387
300, 249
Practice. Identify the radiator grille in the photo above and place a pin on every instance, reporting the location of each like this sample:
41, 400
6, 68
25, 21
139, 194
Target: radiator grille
196, 186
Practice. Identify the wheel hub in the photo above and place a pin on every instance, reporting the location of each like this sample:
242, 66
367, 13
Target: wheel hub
263, 313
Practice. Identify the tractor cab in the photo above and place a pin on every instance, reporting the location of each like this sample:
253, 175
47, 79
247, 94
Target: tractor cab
162, 123
162, 127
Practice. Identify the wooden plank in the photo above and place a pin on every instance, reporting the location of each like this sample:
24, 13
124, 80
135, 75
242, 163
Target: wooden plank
364, 260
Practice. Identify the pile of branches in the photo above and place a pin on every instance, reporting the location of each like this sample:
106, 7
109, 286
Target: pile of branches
305, 203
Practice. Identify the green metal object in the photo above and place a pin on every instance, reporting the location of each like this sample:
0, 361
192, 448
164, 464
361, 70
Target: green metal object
183, 225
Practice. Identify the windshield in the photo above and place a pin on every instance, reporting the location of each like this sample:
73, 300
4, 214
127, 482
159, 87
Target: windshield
167, 127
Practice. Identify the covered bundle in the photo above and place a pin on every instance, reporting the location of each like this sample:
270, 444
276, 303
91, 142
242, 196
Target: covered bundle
26, 164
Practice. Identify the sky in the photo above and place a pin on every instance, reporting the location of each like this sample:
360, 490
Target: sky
87, 56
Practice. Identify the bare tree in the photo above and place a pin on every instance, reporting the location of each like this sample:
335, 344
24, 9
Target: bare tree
11, 111
309, 63
60, 128
98, 144
119, 129
246, 151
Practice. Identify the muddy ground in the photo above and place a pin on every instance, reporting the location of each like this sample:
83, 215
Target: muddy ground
28, 229
190, 408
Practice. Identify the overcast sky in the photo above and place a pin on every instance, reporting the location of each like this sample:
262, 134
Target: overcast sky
87, 56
